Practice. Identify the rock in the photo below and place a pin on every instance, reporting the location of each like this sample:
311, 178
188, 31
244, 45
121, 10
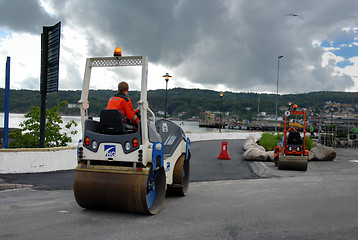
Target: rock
250, 143
341, 143
344, 143
270, 155
311, 156
255, 154
338, 142
261, 148
323, 153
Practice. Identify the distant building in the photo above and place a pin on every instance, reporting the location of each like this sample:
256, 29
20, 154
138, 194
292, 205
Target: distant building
72, 105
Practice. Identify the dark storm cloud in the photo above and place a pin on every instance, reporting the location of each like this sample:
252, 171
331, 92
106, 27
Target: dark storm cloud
24, 16
234, 43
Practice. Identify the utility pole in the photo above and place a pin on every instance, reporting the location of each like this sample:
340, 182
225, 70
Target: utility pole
278, 74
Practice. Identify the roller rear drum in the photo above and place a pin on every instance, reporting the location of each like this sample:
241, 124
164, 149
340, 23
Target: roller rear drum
139, 192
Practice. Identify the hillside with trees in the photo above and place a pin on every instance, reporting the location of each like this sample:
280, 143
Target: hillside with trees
183, 103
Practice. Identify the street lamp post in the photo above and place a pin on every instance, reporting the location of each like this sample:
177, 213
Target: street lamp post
331, 110
221, 110
166, 76
278, 75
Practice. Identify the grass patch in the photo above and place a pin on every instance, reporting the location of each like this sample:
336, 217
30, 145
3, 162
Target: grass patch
270, 140
308, 143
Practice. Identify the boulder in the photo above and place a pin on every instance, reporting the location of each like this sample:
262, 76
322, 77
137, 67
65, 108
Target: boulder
250, 139
323, 153
250, 143
341, 143
255, 154
261, 148
270, 155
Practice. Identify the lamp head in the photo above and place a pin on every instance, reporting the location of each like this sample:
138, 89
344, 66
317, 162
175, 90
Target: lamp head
167, 76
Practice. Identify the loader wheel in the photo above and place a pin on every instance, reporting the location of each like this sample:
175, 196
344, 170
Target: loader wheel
181, 176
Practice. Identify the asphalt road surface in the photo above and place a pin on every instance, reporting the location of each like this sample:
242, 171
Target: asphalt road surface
321, 203
204, 166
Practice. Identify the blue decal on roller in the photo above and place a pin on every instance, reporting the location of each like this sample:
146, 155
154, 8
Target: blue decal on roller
110, 150
168, 167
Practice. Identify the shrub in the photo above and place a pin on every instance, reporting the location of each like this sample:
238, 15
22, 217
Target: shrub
29, 135
270, 140
308, 143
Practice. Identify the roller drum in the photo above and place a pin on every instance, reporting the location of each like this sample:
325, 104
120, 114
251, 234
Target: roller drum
293, 164
139, 192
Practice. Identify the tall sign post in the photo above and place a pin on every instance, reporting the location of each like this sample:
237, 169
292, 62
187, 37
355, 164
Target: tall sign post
7, 102
50, 59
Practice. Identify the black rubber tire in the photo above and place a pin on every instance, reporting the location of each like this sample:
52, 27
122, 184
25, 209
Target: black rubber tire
181, 175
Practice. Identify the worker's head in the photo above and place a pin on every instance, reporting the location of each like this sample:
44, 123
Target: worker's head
123, 87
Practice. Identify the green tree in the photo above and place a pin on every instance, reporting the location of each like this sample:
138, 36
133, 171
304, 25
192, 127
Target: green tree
28, 136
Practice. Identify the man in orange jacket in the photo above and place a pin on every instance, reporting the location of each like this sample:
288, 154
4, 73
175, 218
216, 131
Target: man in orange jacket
121, 102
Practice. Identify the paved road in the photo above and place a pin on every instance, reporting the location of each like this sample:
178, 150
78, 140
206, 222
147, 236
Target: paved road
318, 204
204, 167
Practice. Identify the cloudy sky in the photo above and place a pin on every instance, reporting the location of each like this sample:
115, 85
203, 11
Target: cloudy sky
224, 45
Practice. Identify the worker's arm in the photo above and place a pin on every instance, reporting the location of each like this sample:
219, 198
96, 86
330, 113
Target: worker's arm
130, 113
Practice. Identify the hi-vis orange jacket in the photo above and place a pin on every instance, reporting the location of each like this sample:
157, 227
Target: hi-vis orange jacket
121, 102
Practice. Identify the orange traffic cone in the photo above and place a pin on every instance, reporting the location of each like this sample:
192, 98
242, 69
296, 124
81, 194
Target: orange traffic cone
224, 154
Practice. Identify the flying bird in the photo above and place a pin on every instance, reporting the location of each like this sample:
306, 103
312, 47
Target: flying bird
293, 15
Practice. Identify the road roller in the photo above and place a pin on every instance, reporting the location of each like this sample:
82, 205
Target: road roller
121, 168
290, 152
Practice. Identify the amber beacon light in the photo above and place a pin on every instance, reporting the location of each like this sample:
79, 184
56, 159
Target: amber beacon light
117, 52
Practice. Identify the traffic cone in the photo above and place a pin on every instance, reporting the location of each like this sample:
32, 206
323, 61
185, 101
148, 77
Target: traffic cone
224, 154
